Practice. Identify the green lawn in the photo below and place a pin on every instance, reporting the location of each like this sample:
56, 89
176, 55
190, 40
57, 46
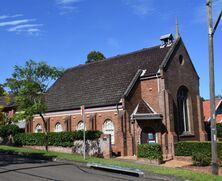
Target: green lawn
155, 169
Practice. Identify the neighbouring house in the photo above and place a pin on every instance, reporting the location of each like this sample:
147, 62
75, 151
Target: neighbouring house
206, 111
147, 96
8, 105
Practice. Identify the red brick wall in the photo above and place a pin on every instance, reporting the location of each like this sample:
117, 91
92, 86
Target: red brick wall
177, 75
94, 121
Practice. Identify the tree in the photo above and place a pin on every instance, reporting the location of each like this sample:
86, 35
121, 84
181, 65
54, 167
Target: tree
5, 100
29, 84
218, 96
1, 90
94, 56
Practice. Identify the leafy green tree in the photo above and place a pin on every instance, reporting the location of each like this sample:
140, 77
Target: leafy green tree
1, 90
94, 56
29, 84
6, 99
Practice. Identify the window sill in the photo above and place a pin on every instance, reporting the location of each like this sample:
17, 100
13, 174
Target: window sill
186, 134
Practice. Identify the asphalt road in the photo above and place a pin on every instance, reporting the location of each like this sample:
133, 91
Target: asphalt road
21, 168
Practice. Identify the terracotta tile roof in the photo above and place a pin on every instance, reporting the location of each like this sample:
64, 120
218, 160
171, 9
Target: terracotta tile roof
206, 110
102, 83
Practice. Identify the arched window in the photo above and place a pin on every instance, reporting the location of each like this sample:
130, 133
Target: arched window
58, 128
108, 128
183, 110
38, 128
80, 126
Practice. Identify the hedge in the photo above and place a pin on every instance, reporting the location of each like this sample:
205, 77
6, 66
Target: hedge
64, 139
10, 129
150, 151
188, 148
219, 130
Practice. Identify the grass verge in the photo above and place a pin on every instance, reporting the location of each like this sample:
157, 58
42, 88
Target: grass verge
184, 174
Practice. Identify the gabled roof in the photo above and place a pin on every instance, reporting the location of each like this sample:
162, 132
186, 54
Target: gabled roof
102, 83
143, 108
144, 111
5, 104
218, 109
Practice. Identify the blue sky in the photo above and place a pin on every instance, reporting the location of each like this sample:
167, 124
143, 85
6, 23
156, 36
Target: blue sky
62, 32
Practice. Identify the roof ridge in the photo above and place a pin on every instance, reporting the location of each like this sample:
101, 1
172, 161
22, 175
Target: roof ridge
113, 57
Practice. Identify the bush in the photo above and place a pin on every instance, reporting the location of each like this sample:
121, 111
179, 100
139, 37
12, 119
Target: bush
219, 130
64, 139
188, 148
10, 129
150, 151
201, 159
195, 148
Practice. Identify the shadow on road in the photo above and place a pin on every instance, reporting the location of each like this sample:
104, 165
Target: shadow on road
9, 157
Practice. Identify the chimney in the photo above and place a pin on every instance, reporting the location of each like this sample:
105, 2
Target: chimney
167, 40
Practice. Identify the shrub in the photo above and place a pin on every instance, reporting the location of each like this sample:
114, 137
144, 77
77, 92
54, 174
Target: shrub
64, 139
219, 130
201, 159
150, 151
187, 148
10, 129
2, 131
195, 148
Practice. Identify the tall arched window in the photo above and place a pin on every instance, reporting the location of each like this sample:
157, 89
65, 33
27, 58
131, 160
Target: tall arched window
80, 126
38, 128
108, 128
183, 110
58, 128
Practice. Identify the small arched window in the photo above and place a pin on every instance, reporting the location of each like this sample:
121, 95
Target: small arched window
58, 128
108, 128
80, 126
183, 110
181, 59
38, 128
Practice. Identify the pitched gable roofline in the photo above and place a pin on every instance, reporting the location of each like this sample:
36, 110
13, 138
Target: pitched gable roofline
173, 48
105, 82
132, 83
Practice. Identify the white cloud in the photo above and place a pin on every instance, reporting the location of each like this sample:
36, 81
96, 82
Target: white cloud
140, 7
15, 22
20, 28
10, 16
20, 25
65, 2
67, 6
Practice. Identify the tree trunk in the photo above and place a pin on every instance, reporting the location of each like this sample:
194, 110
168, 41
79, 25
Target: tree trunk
46, 131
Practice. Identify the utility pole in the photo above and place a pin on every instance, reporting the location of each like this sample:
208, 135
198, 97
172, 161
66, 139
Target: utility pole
211, 31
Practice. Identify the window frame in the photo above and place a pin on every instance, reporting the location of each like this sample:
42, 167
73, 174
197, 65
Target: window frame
37, 130
109, 131
56, 130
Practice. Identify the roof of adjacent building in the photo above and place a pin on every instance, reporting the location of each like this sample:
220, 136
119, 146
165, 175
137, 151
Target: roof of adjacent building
7, 101
218, 108
103, 83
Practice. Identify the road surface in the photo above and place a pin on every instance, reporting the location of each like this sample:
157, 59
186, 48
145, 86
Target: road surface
21, 168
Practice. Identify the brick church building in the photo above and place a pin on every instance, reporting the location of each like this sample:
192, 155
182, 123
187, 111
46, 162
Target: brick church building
147, 96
